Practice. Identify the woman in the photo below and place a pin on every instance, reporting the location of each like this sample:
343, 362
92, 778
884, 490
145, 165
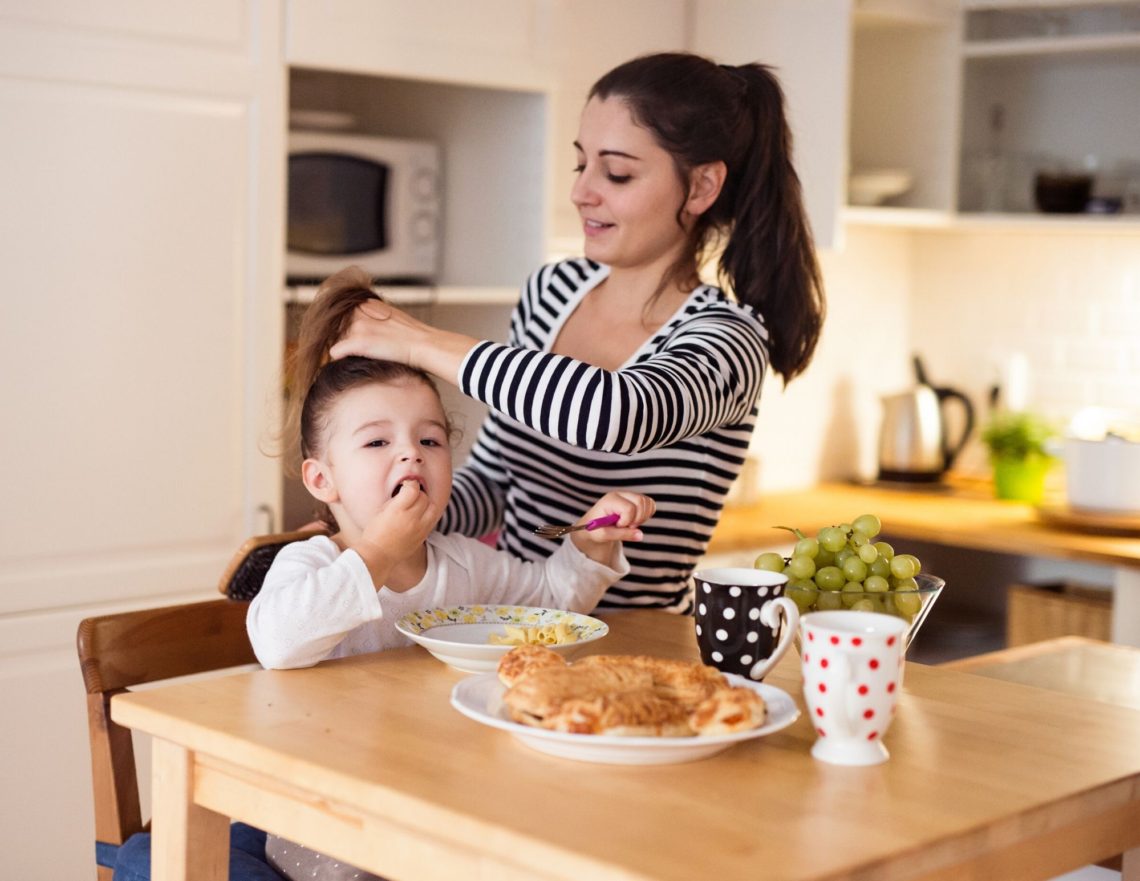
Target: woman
622, 368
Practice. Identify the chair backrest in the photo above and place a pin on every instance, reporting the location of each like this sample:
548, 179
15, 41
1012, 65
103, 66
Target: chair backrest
246, 572
127, 649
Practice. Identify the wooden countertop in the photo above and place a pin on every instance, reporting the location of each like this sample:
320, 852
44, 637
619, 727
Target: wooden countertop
963, 514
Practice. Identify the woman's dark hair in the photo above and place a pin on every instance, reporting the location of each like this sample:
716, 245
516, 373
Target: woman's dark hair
315, 383
701, 112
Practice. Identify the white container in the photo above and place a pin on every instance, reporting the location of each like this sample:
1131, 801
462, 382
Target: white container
1103, 475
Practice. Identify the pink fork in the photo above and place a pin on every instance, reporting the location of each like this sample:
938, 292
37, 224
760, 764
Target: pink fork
551, 531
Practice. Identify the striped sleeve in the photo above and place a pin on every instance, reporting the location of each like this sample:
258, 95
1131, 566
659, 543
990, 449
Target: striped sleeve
478, 489
708, 373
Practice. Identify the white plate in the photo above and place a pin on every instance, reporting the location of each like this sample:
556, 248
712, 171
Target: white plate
458, 635
480, 698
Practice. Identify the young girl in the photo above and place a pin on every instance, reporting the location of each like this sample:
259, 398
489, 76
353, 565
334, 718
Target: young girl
678, 157
376, 451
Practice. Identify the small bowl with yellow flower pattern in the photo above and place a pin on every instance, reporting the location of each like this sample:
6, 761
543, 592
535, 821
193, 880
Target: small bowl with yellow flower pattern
473, 638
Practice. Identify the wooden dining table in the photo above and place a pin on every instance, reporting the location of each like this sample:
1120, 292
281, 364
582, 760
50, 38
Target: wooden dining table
364, 759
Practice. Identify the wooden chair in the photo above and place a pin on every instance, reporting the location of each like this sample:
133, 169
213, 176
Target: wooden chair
246, 571
117, 652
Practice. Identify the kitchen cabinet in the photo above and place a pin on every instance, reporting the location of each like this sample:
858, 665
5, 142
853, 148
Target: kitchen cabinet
500, 86
871, 85
904, 94
139, 344
493, 143
808, 45
973, 99
1049, 87
492, 43
950, 93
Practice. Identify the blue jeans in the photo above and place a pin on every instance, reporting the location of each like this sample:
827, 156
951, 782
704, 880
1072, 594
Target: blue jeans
247, 857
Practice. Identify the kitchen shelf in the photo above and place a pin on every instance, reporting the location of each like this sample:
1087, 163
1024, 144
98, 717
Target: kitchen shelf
1098, 224
910, 218
996, 29
918, 218
910, 13
1051, 46
421, 295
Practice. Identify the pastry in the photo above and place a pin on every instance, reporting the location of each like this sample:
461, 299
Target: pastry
686, 681
728, 711
637, 713
521, 660
624, 695
538, 696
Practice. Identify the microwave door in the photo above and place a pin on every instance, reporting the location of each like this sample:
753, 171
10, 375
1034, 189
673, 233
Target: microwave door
337, 205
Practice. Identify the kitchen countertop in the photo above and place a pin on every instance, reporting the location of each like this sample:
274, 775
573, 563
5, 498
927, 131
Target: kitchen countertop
961, 513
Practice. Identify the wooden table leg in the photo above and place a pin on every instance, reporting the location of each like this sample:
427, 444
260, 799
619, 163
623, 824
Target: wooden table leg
1130, 870
188, 842
1126, 606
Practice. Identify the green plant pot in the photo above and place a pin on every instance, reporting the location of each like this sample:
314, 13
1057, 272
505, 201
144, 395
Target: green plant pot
1021, 480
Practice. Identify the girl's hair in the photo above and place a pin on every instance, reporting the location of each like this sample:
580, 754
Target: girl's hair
315, 382
703, 112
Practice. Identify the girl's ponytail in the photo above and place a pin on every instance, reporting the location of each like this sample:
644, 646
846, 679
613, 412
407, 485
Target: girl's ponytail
325, 321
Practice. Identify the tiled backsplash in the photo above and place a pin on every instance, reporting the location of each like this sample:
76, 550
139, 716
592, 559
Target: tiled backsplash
967, 300
1068, 302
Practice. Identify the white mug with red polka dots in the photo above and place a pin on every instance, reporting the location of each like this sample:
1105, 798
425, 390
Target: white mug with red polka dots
852, 668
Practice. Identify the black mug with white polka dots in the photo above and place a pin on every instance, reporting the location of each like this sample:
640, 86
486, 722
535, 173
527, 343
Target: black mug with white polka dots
744, 622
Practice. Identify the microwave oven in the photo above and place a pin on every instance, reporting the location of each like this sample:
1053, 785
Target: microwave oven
373, 202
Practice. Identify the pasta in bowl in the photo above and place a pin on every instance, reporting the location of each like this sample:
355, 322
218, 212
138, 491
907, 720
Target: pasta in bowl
473, 638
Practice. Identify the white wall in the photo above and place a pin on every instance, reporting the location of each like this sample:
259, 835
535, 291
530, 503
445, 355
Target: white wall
825, 424
1069, 302
966, 300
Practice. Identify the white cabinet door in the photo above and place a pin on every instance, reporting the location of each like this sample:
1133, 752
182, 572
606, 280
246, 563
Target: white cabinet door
808, 43
142, 170
486, 43
142, 175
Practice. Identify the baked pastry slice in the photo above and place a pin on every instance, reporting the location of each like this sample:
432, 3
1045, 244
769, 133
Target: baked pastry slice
524, 659
688, 682
638, 713
538, 696
728, 711
624, 695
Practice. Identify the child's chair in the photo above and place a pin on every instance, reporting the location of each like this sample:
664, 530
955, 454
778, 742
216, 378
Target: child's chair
119, 651
246, 572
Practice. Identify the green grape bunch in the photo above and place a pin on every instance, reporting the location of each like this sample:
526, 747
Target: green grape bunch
843, 567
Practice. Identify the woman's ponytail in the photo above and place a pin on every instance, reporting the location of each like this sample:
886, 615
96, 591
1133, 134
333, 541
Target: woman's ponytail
769, 257
702, 112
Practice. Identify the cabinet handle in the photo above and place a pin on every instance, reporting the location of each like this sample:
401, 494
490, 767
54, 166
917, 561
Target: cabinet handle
266, 511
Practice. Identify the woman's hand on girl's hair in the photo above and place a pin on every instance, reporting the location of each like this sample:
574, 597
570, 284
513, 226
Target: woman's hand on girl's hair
378, 330
381, 331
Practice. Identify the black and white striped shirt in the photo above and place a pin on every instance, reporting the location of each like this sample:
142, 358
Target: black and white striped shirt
673, 422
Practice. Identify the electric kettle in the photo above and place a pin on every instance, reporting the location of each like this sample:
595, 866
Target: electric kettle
913, 442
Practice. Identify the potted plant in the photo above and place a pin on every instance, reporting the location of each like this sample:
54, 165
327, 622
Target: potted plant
1019, 446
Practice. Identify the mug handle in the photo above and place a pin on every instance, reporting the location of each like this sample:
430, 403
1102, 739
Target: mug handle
770, 615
